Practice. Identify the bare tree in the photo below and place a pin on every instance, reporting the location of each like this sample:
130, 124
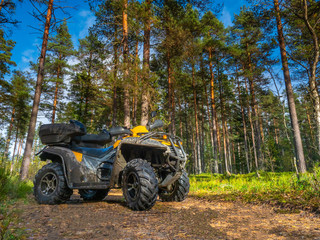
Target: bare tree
36, 101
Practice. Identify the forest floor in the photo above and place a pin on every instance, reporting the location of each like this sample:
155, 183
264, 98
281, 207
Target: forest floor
191, 219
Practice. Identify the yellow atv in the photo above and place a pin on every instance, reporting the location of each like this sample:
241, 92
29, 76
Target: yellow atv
142, 162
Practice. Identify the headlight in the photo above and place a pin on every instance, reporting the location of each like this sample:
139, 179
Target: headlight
179, 152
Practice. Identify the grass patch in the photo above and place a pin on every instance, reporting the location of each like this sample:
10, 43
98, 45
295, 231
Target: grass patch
11, 190
280, 189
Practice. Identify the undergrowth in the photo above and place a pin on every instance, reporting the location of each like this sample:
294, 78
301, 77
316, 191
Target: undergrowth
11, 189
281, 189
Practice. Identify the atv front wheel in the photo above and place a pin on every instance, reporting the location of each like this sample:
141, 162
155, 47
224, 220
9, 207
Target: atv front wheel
50, 186
139, 185
179, 191
93, 195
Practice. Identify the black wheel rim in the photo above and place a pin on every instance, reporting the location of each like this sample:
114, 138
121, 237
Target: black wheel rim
48, 183
133, 186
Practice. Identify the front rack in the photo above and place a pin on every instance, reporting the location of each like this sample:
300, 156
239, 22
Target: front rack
174, 140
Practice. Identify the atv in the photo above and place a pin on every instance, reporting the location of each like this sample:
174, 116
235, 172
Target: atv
144, 163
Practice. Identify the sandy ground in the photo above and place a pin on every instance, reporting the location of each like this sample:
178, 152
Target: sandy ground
191, 219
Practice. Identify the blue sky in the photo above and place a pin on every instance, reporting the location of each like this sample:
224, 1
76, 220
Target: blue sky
28, 40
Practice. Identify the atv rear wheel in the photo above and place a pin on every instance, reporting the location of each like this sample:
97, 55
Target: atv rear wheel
50, 186
179, 191
139, 185
93, 195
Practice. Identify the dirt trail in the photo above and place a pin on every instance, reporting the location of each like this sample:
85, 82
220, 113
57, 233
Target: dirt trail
191, 219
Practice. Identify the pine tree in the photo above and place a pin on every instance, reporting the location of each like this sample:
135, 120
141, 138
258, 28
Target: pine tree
36, 100
6, 47
289, 90
60, 47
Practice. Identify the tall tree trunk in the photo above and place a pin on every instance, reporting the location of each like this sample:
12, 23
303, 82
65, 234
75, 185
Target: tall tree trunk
254, 107
115, 79
244, 129
180, 117
224, 130
276, 130
195, 107
214, 146
252, 130
214, 115
313, 70
170, 96
202, 138
290, 96
126, 94
56, 92
14, 150
187, 128
135, 90
146, 68
228, 146
19, 150
195, 156
36, 100
87, 92
310, 125
261, 124
6, 150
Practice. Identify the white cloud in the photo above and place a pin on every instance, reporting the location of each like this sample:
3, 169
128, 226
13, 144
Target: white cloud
85, 13
73, 61
88, 23
27, 55
226, 18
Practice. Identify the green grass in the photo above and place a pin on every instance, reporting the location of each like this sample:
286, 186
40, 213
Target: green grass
11, 190
280, 189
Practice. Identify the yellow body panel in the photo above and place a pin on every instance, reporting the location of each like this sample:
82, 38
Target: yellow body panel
141, 129
135, 131
116, 144
78, 156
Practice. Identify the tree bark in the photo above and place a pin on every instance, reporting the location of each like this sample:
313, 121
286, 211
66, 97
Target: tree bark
170, 96
14, 151
135, 90
197, 140
289, 90
6, 150
310, 125
252, 130
115, 79
146, 66
214, 146
313, 69
254, 107
126, 95
244, 129
36, 101
214, 115
224, 130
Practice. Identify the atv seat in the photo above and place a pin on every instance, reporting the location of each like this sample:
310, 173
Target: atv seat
92, 140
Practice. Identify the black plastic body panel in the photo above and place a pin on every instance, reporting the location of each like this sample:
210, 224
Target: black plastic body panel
88, 173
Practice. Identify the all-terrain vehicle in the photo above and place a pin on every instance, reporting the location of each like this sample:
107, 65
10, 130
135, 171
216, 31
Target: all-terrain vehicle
143, 163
